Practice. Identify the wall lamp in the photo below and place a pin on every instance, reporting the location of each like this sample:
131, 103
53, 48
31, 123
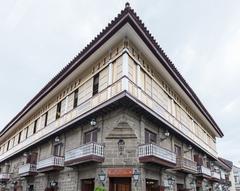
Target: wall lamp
102, 177
93, 122
136, 176
165, 135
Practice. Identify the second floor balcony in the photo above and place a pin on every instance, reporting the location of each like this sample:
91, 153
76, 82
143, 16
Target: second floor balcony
50, 164
151, 153
90, 152
204, 171
4, 177
186, 165
27, 170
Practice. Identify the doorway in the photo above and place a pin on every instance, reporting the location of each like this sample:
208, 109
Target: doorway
120, 184
88, 185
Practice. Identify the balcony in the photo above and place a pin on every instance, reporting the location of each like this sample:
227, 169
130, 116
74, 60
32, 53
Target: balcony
4, 177
204, 171
215, 176
27, 170
50, 164
186, 165
91, 152
151, 153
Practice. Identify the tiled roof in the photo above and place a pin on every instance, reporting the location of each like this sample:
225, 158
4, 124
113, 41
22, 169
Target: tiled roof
226, 162
126, 15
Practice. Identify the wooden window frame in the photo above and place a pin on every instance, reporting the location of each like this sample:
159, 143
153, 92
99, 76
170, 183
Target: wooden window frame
75, 99
91, 133
58, 110
151, 133
95, 84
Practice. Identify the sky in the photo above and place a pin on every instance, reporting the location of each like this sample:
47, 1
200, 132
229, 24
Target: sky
202, 38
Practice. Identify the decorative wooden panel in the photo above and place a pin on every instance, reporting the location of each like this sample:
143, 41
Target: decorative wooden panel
117, 69
63, 106
42, 121
23, 136
148, 85
141, 83
70, 102
132, 70
52, 114
185, 119
16, 139
30, 129
85, 91
103, 79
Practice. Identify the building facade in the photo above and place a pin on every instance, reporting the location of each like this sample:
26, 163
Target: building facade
119, 116
236, 174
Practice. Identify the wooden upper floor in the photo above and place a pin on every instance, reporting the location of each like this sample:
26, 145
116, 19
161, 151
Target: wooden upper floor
123, 69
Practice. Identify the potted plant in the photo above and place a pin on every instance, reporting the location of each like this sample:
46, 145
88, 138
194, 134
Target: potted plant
99, 188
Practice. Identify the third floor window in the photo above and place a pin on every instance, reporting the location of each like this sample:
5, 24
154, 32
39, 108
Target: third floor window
95, 84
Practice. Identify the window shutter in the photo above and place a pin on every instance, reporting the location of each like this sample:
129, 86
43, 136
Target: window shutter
30, 129
63, 105
94, 136
70, 102
147, 137
52, 115
103, 79
85, 91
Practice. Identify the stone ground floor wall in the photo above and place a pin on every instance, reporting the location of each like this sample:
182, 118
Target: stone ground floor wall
70, 179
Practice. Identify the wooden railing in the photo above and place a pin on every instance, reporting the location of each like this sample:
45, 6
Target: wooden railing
84, 151
148, 100
157, 151
4, 176
27, 168
51, 161
204, 170
184, 163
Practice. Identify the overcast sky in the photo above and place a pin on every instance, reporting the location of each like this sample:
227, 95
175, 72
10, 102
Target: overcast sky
202, 38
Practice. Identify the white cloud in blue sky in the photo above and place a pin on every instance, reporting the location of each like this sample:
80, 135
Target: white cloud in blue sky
202, 38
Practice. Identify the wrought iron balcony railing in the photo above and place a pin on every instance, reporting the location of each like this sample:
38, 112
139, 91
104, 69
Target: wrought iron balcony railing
85, 153
156, 154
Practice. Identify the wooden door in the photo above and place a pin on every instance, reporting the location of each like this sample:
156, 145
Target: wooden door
88, 185
120, 184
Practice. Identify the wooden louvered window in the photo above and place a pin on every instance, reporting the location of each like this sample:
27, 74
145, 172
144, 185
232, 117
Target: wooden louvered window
198, 159
27, 132
57, 149
35, 125
45, 119
58, 113
150, 137
95, 84
19, 137
75, 100
90, 136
